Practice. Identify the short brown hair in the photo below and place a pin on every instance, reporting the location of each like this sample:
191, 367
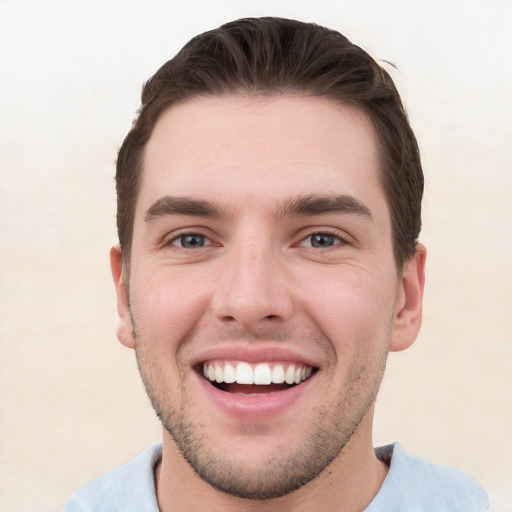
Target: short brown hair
266, 56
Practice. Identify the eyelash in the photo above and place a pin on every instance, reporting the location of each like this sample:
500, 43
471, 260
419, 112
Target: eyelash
341, 240
182, 235
329, 232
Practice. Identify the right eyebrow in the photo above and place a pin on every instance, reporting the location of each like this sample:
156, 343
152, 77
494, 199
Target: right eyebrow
322, 204
168, 205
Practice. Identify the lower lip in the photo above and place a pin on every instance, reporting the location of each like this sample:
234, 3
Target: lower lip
255, 406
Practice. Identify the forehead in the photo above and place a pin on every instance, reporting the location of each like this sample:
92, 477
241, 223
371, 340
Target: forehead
240, 148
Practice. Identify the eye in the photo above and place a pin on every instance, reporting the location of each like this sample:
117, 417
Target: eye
190, 241
322, 240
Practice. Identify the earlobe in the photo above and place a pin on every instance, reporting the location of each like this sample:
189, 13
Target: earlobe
124, 327
408, 313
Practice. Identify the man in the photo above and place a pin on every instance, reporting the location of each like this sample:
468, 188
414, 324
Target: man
269, 200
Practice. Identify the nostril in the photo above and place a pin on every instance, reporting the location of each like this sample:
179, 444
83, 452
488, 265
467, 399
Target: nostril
229, 318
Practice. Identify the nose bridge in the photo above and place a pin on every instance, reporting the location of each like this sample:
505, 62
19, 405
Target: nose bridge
253, 286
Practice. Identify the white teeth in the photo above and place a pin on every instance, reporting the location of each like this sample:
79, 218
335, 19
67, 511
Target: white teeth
289, 377
229, 374
278, 374
244, 373
219, 374
262, 374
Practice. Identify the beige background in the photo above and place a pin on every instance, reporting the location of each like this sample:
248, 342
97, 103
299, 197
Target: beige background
72, 406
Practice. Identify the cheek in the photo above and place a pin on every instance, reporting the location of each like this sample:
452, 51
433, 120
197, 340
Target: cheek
167, 308
353, 310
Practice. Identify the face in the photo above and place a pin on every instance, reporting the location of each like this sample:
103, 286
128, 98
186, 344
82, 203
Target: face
263, 294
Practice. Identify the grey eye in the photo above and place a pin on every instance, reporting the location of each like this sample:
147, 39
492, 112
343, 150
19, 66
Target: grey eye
191, 241
322, 240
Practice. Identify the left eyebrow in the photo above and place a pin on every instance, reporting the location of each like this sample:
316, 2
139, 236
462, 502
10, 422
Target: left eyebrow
168, 206
319, 204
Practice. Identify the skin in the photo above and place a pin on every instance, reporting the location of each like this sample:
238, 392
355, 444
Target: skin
255, 280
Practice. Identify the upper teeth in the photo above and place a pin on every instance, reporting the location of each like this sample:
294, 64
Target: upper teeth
260, 373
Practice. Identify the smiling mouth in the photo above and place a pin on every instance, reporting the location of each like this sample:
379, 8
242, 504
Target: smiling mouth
248, 379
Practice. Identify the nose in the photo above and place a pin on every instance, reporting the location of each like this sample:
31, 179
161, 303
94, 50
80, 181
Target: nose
253, 289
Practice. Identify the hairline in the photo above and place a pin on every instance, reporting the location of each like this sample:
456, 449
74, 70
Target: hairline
260, 93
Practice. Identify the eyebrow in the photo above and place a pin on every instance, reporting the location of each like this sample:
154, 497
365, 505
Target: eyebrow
168, 205
300, 206
318, 205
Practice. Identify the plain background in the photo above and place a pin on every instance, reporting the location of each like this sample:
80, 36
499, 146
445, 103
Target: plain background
72, 405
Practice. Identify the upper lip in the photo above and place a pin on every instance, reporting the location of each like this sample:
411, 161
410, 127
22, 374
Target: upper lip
261, 353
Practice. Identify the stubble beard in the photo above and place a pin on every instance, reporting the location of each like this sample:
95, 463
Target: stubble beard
276, 475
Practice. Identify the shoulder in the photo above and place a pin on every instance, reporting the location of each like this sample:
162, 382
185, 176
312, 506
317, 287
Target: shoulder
127, 488
415, 484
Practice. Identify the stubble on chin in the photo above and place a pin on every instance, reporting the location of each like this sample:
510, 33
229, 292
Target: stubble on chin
276, 475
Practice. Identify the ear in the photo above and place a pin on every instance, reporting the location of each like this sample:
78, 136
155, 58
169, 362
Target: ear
124, 327
408, 311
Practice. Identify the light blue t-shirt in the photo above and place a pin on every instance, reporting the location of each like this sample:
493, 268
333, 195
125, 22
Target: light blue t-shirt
412, 485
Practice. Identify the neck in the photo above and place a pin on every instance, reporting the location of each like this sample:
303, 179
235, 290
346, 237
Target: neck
349, 483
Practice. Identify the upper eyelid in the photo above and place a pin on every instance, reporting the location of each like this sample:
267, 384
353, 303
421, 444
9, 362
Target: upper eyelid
340, 239
174, 242
170, 237
181, 235
324, 230
302, 234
